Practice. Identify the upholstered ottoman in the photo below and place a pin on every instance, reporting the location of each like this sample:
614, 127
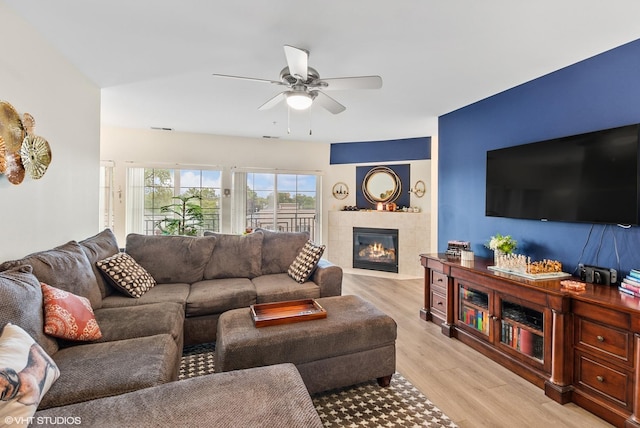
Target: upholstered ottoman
354, 343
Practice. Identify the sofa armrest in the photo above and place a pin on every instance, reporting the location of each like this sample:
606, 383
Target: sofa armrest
328, 277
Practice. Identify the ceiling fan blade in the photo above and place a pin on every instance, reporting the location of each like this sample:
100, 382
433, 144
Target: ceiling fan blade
228, 76
298, 61
327, 102
359, 82
273, 101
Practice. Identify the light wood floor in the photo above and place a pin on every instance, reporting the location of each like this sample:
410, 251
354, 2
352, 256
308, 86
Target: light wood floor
471, 389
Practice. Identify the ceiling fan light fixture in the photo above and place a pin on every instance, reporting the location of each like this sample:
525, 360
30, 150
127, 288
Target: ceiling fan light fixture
299, 100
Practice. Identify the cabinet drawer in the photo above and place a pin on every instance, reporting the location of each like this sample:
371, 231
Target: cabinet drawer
610, 382
438, 303
607, 340
439, 279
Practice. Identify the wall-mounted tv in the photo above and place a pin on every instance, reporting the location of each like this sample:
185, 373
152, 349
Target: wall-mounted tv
590, 178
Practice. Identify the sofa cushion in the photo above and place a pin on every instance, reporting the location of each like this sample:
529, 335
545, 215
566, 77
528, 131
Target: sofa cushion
215, 296
26, 374
279, 249
142, 320
21, 304
235, 256
172, 259
67, 316
280, 286
66, 267
306, 261
176, 293
98, 370
100, 247
125, 274
272, 396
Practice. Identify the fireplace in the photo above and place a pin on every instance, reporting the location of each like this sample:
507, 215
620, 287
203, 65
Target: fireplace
375, 249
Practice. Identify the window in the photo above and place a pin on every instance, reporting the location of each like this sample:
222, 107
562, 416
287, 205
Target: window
150, 189
282, 202
106, 195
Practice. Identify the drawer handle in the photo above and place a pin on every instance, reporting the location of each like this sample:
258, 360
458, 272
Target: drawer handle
600, 379
440, 303
439, 279
600, 338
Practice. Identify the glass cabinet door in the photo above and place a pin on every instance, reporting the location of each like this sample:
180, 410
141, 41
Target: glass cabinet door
474, 308
522, 329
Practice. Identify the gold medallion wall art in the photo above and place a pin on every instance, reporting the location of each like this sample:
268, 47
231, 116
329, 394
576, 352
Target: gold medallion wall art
22, 152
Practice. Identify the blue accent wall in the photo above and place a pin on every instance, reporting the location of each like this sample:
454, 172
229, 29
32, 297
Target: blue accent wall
597, 93
381, 151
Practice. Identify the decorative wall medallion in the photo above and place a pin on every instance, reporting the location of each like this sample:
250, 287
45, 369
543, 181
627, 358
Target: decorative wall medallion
28, 122
15, 169
419, 189
3, 156
36, 156
21, 151
340, 190
11, 128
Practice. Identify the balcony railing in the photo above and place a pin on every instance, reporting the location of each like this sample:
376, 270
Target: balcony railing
284, 220
211, 222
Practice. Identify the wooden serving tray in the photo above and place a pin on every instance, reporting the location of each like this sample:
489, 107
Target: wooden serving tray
266, 314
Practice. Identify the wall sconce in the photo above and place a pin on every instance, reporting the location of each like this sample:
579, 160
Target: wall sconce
419, 189
340, 190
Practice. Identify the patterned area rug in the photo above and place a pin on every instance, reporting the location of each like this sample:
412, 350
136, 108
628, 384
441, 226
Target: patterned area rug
363, 405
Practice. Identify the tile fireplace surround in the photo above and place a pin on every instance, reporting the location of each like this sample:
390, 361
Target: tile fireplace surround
413, 236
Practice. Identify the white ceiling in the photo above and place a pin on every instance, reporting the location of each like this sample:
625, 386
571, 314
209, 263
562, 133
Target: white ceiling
153, 59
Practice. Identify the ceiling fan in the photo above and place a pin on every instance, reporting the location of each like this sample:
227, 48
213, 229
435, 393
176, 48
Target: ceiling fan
304, 85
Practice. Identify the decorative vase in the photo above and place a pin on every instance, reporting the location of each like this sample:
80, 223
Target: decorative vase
496, 257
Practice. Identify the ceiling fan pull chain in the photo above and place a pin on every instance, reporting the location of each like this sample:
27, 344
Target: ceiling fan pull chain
288, 120
310, 122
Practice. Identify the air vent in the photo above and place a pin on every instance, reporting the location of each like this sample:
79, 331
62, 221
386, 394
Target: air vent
158, 128
270, 136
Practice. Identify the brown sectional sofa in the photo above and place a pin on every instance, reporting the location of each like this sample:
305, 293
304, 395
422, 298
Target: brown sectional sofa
198, 279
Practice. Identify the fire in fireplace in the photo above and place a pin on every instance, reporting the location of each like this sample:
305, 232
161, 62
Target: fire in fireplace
375, 249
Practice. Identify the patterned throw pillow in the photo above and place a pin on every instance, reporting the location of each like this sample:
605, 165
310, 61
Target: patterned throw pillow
124, 273
26, 374
68, 316
306, 261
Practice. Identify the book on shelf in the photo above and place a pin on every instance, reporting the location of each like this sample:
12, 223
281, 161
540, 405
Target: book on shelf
632, 280
522, 339
526, 341
628, 291
634, 274
631, 285
476, 319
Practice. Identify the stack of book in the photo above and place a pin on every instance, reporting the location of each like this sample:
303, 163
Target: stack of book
476, 318
631, 283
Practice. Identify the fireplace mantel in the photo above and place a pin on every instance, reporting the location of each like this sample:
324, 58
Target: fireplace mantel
413, 232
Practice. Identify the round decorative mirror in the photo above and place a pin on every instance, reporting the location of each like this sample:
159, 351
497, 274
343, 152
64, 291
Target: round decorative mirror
381, 184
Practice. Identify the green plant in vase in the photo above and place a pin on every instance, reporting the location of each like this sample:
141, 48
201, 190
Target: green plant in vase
501, 245
186, 219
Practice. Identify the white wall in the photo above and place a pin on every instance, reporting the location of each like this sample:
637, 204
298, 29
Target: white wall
62, 205
125, 147
166, 148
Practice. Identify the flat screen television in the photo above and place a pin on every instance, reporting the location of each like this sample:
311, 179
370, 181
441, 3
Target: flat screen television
590, 178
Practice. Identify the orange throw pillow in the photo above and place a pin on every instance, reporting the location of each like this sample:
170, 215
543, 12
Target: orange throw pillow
68, 316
